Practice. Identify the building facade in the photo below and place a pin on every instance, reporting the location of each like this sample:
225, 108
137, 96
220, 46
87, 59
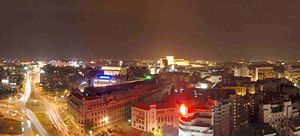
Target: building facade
196, 122
101, 106
150, 118
277, 111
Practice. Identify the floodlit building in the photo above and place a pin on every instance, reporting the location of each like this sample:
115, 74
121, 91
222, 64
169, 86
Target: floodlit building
150, 118
264, 72
241, 72
113, 70
239, 90
170, 60
105, 105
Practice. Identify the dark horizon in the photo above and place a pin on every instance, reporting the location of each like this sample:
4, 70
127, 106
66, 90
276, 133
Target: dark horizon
141, 29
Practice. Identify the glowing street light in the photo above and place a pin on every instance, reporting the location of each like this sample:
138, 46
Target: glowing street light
29, 123
34, 101
106, 119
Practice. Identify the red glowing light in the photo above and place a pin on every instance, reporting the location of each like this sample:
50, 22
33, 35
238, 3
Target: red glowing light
183, 110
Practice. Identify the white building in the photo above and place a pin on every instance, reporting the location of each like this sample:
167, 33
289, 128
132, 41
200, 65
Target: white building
221, 118
241, 72
198, 122
292, 127
276, 112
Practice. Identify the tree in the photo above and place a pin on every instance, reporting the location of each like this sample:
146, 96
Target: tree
158, 133
88, 126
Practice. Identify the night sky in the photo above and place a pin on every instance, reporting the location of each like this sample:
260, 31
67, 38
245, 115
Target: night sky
148, 29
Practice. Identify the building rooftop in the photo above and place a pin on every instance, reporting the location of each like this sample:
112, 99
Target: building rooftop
141, 106
156, 105
119, 91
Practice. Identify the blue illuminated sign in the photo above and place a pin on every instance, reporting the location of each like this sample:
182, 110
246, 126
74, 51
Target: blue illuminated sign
103, 77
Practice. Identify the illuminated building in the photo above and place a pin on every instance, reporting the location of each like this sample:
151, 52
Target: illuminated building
240, 111
112, 70
195, 121
241, 72
181, 62
292, 127
153, 117
231, 111
242, 91
274, 110
264, 72
170, 60
105, 105
213, 113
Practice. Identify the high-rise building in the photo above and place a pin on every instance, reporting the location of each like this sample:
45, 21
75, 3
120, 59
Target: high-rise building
221, 118
209, 114
196, 121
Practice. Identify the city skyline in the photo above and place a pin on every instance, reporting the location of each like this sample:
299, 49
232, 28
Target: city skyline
149, 68
212, 30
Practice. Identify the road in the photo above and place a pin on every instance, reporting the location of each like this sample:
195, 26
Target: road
51, 108
22, 104
54, 116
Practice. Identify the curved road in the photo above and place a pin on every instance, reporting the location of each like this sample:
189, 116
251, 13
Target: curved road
22, 103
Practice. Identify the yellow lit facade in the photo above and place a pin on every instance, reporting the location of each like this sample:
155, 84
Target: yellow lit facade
180, 62
238, 90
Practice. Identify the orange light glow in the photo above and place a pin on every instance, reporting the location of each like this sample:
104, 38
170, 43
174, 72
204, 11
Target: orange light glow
183, 110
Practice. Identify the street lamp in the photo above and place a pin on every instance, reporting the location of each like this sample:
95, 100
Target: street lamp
29, 123
34, 101
90, 132
106, 119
